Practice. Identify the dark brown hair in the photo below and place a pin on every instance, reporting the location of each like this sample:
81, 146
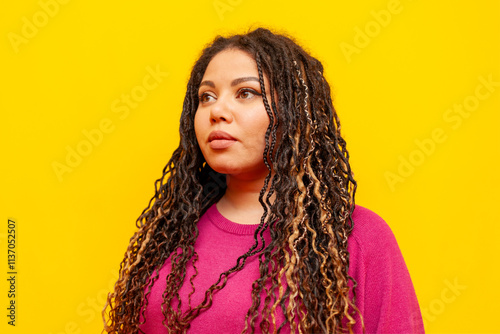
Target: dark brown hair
311, 216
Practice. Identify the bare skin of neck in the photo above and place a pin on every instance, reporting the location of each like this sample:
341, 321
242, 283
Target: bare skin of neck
240, 203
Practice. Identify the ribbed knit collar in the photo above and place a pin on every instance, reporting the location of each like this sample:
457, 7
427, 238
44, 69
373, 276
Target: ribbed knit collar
227, 225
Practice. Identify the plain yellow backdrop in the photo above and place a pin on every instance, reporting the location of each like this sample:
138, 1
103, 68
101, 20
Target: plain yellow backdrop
416, 85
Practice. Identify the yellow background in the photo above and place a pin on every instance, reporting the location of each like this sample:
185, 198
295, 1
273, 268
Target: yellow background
396, 89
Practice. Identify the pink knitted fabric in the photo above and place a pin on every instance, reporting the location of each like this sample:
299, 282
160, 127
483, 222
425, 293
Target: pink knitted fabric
384, 295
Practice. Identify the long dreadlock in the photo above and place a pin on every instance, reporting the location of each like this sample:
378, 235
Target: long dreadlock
304, 268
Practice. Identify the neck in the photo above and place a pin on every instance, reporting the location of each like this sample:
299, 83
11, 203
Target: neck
240, 202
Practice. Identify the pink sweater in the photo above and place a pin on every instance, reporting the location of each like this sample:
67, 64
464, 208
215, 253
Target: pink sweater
385, 294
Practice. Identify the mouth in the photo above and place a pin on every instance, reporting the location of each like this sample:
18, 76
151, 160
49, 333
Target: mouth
218, 140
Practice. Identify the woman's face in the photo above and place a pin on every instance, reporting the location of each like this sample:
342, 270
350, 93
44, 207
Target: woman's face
231, 120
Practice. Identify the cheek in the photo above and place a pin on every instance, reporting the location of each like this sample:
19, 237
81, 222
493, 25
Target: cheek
259, 132
256, 119
263, 124
197, 127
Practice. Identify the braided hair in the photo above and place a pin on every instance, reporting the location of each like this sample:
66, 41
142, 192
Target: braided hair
304, 268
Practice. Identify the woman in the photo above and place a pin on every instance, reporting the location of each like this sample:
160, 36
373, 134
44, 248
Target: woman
253, 226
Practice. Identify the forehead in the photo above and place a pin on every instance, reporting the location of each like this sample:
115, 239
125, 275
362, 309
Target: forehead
231, 62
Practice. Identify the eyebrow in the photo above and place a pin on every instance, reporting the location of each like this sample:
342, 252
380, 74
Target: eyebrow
233, 83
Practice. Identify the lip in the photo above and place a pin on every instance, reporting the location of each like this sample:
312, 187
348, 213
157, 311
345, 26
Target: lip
218, 134
218, 140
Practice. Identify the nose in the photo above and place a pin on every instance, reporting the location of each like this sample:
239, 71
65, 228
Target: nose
221, 111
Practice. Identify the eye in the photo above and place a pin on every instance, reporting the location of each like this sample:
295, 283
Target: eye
247, 93
205, 97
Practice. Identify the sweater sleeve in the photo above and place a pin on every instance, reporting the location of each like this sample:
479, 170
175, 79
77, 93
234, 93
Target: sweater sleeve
384, 294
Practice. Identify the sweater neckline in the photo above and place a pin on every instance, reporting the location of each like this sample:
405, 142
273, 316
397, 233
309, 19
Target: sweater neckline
227, 225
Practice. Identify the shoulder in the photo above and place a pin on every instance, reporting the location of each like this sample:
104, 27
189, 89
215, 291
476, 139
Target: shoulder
373, 250
385, 294
370, 231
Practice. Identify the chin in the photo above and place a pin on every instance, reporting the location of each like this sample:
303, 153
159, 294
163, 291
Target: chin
224, 169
